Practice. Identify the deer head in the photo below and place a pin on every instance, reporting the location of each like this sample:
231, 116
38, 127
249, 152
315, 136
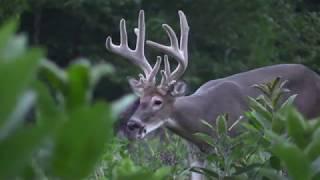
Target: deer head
156, 101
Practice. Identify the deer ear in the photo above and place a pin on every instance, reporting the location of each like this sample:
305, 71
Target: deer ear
135, 86
179, 89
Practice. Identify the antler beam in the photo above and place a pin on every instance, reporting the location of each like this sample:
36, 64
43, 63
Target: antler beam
179, 52
137, 55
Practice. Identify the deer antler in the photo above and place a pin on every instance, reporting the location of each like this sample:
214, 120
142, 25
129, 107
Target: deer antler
166, 80
179, 52
137, 55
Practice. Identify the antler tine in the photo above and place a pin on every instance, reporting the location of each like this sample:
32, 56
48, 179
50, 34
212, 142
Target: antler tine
180, 53
135, 56
184, 30
166, 79
154, 71
141, 34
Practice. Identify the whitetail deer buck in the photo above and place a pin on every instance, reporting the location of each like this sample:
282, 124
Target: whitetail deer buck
166, 105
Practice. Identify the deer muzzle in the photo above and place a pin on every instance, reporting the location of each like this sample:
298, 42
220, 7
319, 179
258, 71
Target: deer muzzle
135, 125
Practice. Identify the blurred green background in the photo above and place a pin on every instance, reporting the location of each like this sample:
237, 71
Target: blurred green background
226, 36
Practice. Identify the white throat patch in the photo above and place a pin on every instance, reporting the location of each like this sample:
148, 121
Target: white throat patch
153, 126
172, 123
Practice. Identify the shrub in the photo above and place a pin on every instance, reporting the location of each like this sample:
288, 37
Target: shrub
68, 132
277, 141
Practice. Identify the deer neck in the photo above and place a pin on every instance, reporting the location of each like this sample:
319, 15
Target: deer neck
183, 119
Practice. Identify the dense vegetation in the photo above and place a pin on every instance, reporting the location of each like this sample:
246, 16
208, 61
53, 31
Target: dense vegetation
53, 123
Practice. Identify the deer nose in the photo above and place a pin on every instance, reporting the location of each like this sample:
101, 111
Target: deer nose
133, 125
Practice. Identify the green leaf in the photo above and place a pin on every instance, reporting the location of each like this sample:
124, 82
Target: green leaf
221, 124
78, 85
277, 125
297, 163
274, 137
296, 128
313, 148
45, 102
254, 104
126, 169
262, 87
17, 150
6, 32
265, 123
16, 76
16, 119
162, 173
247, 168
278, 94
275, 83
81, 141
289, 101
253, 123
54, 76
206, 138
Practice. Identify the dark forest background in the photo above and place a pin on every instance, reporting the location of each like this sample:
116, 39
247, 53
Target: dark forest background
226, 36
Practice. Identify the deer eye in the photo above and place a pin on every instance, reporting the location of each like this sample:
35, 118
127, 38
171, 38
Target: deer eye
157, 102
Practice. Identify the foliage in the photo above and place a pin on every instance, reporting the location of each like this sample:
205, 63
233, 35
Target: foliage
165, 150
290, 135
164, 155
277, 142
118, 164
232, 157
58, 133
74, 86
70, 134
